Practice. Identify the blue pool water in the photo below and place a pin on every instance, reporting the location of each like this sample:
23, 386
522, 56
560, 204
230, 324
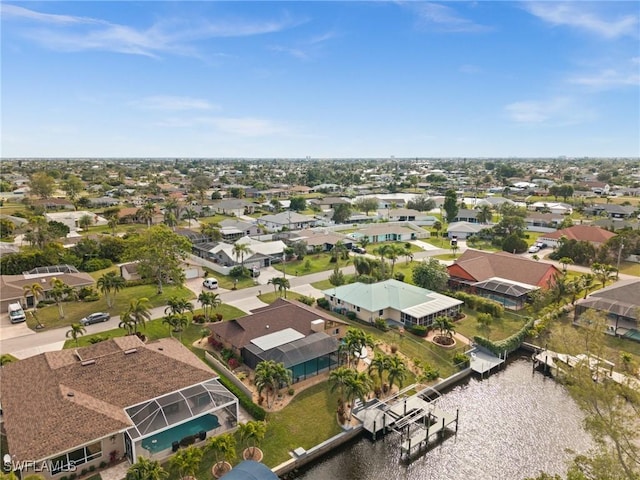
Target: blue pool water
633, 334
163, 440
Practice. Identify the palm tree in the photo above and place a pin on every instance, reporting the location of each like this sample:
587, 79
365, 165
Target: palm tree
186, 461
170, 219
211, 230
564, 261
251, 434
338, 380
139, 312
364, 241
146, 213
437, 226
36, 291
397, 371
603, 272
108, 283
587, 281
59, 292
127, 322
209, 301
379, 365
264, 377
358, 386
177, 305
190, 214
485, 215
382, 252
77, 330
445, 325
113, 224
393, 252
240, 250
281, 376
5, 358
85, 222
145, 469
224, 448
355, 341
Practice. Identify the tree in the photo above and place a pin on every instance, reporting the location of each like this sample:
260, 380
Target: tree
393, 252
379, 365
145, 469
211, 230
224, 448
437, 226
146, 213
298, 204
603, 272
564, 261
251, 434
445, 326
397, 371
159, 253
6, 228
366, 204
72, 186
110, 283
341, 213
422, 203
77, 330
337, 277
113, 224
338, 380
59, 292
282, 283
42, 184
300, 249
127, 322
357, 386
514, 244
430, 274
190, 214
209, 301
355, 341
85, 222
587, 281
186, 461
201, 183
139, 311
485, 215
269, 375
239, 250
177, 305
450, 205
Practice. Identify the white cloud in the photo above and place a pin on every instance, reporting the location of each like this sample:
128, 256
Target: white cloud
578, 15
165, 102
247, 126
444, 18
294, 52
557, 111
176, 36
608, 78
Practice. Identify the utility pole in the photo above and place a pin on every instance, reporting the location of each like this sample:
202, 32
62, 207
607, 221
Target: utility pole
619, 254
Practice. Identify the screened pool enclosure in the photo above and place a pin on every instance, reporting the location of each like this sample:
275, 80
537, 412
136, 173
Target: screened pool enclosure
179, 418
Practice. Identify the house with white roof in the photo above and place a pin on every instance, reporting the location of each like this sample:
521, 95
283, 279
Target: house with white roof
72, 219
262, 254
463, 230
289, 220
392, 300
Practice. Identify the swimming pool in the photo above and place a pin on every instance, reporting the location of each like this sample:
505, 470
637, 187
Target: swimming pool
633, 335
163, 440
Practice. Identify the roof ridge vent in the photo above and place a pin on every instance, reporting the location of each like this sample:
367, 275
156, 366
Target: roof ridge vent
130, 351
88, 362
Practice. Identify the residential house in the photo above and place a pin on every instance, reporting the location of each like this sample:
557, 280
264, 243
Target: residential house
410, 215
614, 225
392, 300
12, 286
54, 204
389, 232
543, 222
232, 229
322, 240
305, 339
552, 207
620, 212
72, 219
132, 215
463, 230
233, 207
100, 202
120, 398
261, 254
286, 220
620, 303
328, 203
466, 215
501, 276
587, 233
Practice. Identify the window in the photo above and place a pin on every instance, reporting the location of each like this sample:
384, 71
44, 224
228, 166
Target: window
357, 309
380, 313
66, 462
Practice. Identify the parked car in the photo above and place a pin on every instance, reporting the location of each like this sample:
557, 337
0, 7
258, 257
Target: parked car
16, 314
95, 318
534, 249
358, 250
210, 283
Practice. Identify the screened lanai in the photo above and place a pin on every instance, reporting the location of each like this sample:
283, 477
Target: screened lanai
162, 421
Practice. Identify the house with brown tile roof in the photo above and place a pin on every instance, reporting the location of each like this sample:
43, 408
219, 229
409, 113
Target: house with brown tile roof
305, 339
500, 276
12, 286
586, 233
72, 409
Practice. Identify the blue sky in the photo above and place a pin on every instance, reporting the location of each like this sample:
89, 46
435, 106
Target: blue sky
320, 79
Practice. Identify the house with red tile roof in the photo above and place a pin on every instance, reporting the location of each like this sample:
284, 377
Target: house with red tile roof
586, 233
70, 410
501, 276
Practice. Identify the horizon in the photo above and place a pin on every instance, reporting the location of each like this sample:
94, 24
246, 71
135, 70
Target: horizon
320, 80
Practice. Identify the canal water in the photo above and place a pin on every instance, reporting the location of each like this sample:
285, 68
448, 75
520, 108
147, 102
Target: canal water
513, 425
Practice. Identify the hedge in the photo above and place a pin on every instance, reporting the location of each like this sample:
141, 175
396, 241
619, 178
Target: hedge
480, 304
507, 345
419, 330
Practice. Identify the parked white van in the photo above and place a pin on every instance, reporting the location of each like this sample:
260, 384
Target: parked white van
16, 314
210, 283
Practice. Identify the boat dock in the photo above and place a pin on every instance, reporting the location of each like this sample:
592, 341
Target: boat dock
416, 418
483, 362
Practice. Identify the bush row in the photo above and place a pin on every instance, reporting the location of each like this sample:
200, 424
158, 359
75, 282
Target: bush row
480, 304
508, 344
254, 410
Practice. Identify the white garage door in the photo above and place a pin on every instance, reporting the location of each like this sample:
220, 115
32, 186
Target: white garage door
191, 273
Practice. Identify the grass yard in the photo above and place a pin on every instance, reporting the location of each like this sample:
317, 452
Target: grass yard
75, 310
310, 264
499, 329
271, 297
308, 420
630, 268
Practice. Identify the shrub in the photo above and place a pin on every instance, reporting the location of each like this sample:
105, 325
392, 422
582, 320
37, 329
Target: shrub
217, 345
233, 363
85, 292
73, 476
508, 344
291, 392
219, 317
45, 302
351, 315
198, 318
96, 264
103, 464
142, 281
323, 303
394, 349
92, 468
399, 276
307, 300
84, 472
419, 330
485, 319
381, 324
429, 372
91, 298
461, 360
239, 271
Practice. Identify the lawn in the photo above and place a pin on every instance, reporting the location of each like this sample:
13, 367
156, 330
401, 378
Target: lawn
271, 297
630, 268
225, 281
499, 329
310, 264
76, 310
